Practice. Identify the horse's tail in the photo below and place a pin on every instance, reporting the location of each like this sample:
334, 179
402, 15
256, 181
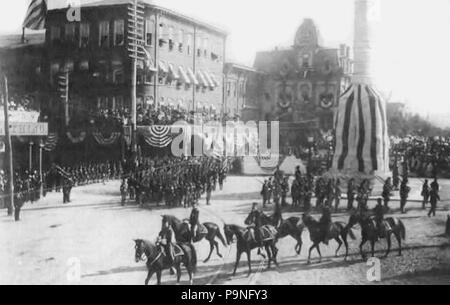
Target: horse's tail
220, 236
402, 229
193, 261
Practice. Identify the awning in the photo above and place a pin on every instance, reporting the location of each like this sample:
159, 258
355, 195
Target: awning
214, 79
191, 75
184, 77
163, 67
173, 73
202, 78
208, 79
149, 63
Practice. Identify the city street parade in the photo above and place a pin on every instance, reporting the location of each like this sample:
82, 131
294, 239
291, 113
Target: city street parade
134, 150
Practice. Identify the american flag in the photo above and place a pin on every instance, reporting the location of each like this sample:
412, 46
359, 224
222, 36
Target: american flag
36, 14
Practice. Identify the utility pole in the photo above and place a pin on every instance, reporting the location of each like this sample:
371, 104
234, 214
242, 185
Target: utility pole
9, 149
135, 44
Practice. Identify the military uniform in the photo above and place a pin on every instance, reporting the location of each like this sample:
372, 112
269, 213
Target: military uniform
404, 193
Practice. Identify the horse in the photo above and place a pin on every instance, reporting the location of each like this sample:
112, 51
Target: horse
370, 232
157, 262
336, 230
183, 234
212, 230
246, 242
289, 227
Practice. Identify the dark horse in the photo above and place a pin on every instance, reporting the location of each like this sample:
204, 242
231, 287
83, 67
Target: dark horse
318, 232
247, 241
183, 233
371, 232
157, 261
292, 226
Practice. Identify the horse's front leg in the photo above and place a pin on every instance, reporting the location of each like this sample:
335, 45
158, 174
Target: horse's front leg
149, 276
269, 254
363, 255
338, 240
158, 276
389, 243
320, 254
238, 259
399, 241
249, 259
274, 254
310, 251
178, 268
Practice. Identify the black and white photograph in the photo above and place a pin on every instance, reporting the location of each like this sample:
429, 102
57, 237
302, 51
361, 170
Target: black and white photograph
195, 143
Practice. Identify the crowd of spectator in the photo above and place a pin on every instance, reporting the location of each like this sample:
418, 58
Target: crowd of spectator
424, 157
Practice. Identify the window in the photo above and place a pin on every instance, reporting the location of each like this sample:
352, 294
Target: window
55, 34
119, 102
180, 40
104, 34
84, 35
199, 47
69, 32
189, 44
54, 70
161, 39
149, 24
171, 42
205, 47
119, 32
306, 61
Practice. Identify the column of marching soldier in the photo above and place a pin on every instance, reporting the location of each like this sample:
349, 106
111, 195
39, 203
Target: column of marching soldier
328, 192
28, 184
173, 181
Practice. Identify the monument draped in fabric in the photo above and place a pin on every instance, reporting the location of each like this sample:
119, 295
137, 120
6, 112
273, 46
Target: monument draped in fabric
362, 142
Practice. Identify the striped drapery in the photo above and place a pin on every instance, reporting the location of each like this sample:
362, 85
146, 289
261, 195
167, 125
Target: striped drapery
362, 142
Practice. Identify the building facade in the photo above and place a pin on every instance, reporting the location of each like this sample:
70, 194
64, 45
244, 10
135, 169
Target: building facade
302, 84
240, 92
182, 66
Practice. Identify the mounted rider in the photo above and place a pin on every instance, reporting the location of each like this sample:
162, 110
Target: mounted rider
325, 224
379, 217
165, 241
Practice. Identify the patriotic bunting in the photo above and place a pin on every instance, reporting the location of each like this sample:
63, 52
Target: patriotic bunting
101, 140
157, 136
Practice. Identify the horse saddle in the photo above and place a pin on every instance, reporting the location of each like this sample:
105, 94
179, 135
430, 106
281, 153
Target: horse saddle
266, 233
201, 229
383, 228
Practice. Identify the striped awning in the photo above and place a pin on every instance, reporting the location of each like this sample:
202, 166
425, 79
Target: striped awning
163, 67
202, 79
214, 79
173, 73
191, 75
184, 77
209, 79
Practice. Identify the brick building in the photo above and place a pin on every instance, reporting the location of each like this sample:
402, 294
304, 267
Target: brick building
240, 92
302, 84
183, 67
